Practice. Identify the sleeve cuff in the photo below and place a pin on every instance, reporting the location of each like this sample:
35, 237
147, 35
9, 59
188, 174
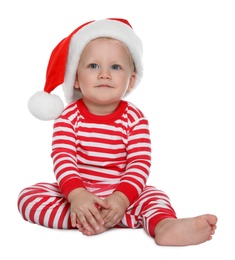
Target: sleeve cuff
130, 192
70, 185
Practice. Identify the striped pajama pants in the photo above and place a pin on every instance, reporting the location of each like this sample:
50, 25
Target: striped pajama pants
43, 204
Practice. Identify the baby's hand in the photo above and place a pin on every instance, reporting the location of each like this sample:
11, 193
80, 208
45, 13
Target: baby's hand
84, 211
118, 203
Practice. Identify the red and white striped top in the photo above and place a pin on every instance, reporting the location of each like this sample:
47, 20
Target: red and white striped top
112, 151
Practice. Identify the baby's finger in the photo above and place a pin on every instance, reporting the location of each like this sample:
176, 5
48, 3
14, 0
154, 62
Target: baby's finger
104, 213
78, 223
101, 203
112, 223
84, 220
73, 218
92, 217
110, 217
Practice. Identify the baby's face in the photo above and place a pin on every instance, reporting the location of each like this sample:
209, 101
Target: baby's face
105, 71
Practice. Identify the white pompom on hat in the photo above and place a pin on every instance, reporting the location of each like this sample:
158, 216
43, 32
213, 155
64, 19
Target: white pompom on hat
64, 59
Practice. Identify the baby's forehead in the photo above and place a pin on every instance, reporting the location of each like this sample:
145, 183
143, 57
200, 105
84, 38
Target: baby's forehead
105, 38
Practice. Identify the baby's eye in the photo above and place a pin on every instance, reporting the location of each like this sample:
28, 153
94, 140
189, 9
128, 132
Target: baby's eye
93, 66
116, 67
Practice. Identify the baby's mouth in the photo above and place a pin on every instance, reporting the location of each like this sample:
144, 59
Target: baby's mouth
104, 86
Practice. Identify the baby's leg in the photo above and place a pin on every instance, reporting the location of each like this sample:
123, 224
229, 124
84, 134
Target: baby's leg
43, 204
185, 231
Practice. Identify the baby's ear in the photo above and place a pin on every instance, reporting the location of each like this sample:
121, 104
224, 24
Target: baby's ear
76, 86
76, 83
132, 81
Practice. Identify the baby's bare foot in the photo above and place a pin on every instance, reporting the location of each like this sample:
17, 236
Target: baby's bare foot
185, 232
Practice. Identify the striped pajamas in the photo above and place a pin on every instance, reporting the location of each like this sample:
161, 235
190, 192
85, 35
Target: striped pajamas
102, 154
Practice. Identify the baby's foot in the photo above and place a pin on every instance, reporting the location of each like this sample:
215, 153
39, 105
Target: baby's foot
186, 231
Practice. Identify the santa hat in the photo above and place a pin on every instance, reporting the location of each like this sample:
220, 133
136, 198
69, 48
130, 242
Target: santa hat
64, 61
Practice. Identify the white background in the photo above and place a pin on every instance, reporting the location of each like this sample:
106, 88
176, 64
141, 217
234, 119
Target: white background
188, 95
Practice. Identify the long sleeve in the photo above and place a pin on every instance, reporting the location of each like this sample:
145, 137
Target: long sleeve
64, 155
138, 159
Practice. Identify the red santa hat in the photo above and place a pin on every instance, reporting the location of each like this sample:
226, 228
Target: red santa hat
63, 63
